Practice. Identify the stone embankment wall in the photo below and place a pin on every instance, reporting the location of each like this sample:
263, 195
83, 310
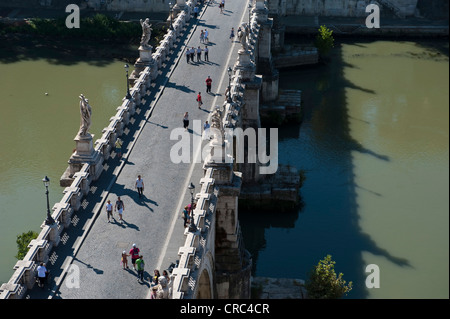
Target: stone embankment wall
337, 8
40, 249
130, 5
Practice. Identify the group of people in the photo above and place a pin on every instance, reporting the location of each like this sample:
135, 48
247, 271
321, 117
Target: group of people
160, 284
119, 206
187, 213
192, 52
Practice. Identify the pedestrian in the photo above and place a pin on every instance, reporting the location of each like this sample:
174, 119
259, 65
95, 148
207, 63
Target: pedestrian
221, 7
206, 50
208, 84
118, 146
109, 210
199, 54
202, 36
140, 185
153, 294
195, 12
186, 121
156, 276
192, 51
42, 274
199, 100
206, 127
140, 264
134, 253
206, 36
120, 207
185, 214
188, 55
232, 34
124, 259
166, 275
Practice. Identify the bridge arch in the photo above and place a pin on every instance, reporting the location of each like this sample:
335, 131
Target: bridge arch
205, 282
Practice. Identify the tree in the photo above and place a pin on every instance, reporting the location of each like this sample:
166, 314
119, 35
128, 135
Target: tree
324, 40
22, 243
323, 282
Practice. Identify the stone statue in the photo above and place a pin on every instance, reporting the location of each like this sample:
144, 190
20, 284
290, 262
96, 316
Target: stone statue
86, 112
243, 36
146, 32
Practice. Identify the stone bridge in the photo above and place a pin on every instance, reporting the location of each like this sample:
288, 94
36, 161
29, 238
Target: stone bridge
210, 260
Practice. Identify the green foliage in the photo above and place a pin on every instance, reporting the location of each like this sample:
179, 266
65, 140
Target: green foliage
324, 40
323, 282
98, 27
23, 241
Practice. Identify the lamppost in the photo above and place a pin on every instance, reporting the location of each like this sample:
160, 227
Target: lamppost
192, 227
171, 14
230, 72
128, 84
49, 220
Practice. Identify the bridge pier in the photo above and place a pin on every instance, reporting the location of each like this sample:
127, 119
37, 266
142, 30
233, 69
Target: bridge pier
232, 261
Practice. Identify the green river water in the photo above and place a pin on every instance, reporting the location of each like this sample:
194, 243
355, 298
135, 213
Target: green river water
373, 144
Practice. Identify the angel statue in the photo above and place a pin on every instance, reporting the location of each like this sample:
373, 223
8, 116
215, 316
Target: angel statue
146, 32
86, 112
243, 36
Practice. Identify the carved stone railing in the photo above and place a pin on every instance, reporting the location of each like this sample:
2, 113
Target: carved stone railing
24, 276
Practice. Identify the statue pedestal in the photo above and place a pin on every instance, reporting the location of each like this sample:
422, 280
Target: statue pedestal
245, 64
145, 60
243, 58
84, 154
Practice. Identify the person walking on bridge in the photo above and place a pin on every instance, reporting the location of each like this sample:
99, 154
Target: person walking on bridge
140, 268
206, 36
134, 253
206, 50
186, 121
140, 185
199, 100
199, 54
120, 207
208, 84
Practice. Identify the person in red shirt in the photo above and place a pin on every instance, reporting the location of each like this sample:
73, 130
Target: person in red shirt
199, 100
208, 84
134, 252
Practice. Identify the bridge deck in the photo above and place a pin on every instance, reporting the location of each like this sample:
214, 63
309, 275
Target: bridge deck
154, 222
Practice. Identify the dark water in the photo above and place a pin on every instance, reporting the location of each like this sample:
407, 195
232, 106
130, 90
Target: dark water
374, 145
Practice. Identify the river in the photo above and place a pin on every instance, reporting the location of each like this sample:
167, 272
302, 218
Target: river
37, 132
374, 145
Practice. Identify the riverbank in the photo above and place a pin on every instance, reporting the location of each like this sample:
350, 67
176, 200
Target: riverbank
101, 37
349, 27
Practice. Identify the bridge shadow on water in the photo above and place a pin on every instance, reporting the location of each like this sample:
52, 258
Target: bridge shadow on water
288, 245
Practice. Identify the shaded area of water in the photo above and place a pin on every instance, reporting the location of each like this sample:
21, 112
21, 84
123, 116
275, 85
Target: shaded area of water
374, 145
38, 130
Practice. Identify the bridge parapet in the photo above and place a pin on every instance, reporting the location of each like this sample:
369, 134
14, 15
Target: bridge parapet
194, 254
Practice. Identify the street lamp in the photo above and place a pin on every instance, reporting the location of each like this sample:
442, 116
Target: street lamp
49, 220
230, 72
128, 84
192, 227
171, 14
